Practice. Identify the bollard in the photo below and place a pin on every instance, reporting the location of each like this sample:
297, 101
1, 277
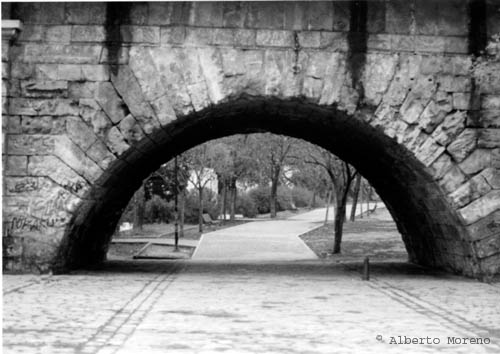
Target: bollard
366, 269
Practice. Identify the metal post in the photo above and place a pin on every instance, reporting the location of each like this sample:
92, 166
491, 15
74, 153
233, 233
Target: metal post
366, 269
176, 202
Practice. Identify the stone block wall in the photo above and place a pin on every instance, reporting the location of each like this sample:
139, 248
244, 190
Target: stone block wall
94, 89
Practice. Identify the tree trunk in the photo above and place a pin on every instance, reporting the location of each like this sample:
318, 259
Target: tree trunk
139, 208
328, 201
274, 194
200, 210
233, 199
273, 200
361, 202
357, 186
224, 200
182, 209
340, 218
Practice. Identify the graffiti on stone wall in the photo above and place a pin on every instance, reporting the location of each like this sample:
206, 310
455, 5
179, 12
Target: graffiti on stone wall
74, 187
31, 223
25, 185
45, 209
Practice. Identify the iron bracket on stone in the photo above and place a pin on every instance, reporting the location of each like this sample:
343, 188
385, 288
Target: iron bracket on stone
10, 29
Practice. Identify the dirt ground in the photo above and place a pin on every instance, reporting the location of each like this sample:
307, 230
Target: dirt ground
375, 236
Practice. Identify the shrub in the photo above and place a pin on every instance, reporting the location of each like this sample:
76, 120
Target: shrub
260, 197
245, 205
285, 200
192, 207
158, 209
301, 197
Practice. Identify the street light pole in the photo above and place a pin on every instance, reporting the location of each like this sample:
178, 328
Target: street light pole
176, 209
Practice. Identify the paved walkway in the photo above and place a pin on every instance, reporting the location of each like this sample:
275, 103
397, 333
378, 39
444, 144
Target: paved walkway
275, 240
266, 240
212, 307
206, 307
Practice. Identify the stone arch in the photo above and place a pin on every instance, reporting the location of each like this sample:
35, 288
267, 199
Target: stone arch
93, 91
433, 234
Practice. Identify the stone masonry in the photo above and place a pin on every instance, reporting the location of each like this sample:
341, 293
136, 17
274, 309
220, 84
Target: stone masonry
96, 96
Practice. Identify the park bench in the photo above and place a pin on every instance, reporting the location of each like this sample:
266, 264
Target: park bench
207, 219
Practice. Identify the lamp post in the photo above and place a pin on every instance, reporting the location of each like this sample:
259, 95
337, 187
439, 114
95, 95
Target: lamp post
176, 209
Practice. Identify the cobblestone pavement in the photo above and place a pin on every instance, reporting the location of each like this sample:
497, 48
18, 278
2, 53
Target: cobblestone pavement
195, 307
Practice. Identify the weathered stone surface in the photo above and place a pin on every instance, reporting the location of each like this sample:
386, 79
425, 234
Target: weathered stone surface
492, 176
69, 153
83, 89
429, 152
88, 34
451, 127
58, 34
490, 102
116, 142
13, 125
130, 91
110, 102
196, 36
412, 108
476, 161
91, 113
210, 63
44, 89
130, 129
142, 65
120, 56
33, 107
433, 115
487, 119
378, 72
80, 133
16, 165
100, 154
273, 38
31, 144
461, 100
61, 53
172, 35
67, 72
206, 14
470, 191
453, 179
463, 145
140, 34
485, 227
43, 125
95, 72
489, 138
20, 70
334, 41
59, 172
159, 13
167, 64
334, 79
451, 83
488, 246
442, 164
481, 207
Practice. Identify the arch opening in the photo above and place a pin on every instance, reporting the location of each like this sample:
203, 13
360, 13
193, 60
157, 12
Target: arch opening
432, 232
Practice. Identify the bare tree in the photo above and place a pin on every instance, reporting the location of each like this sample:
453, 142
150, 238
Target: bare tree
341, 176
139, 206
199, 163
357, 187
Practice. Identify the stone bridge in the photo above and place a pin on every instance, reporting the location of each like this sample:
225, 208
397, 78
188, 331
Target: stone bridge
96, 96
